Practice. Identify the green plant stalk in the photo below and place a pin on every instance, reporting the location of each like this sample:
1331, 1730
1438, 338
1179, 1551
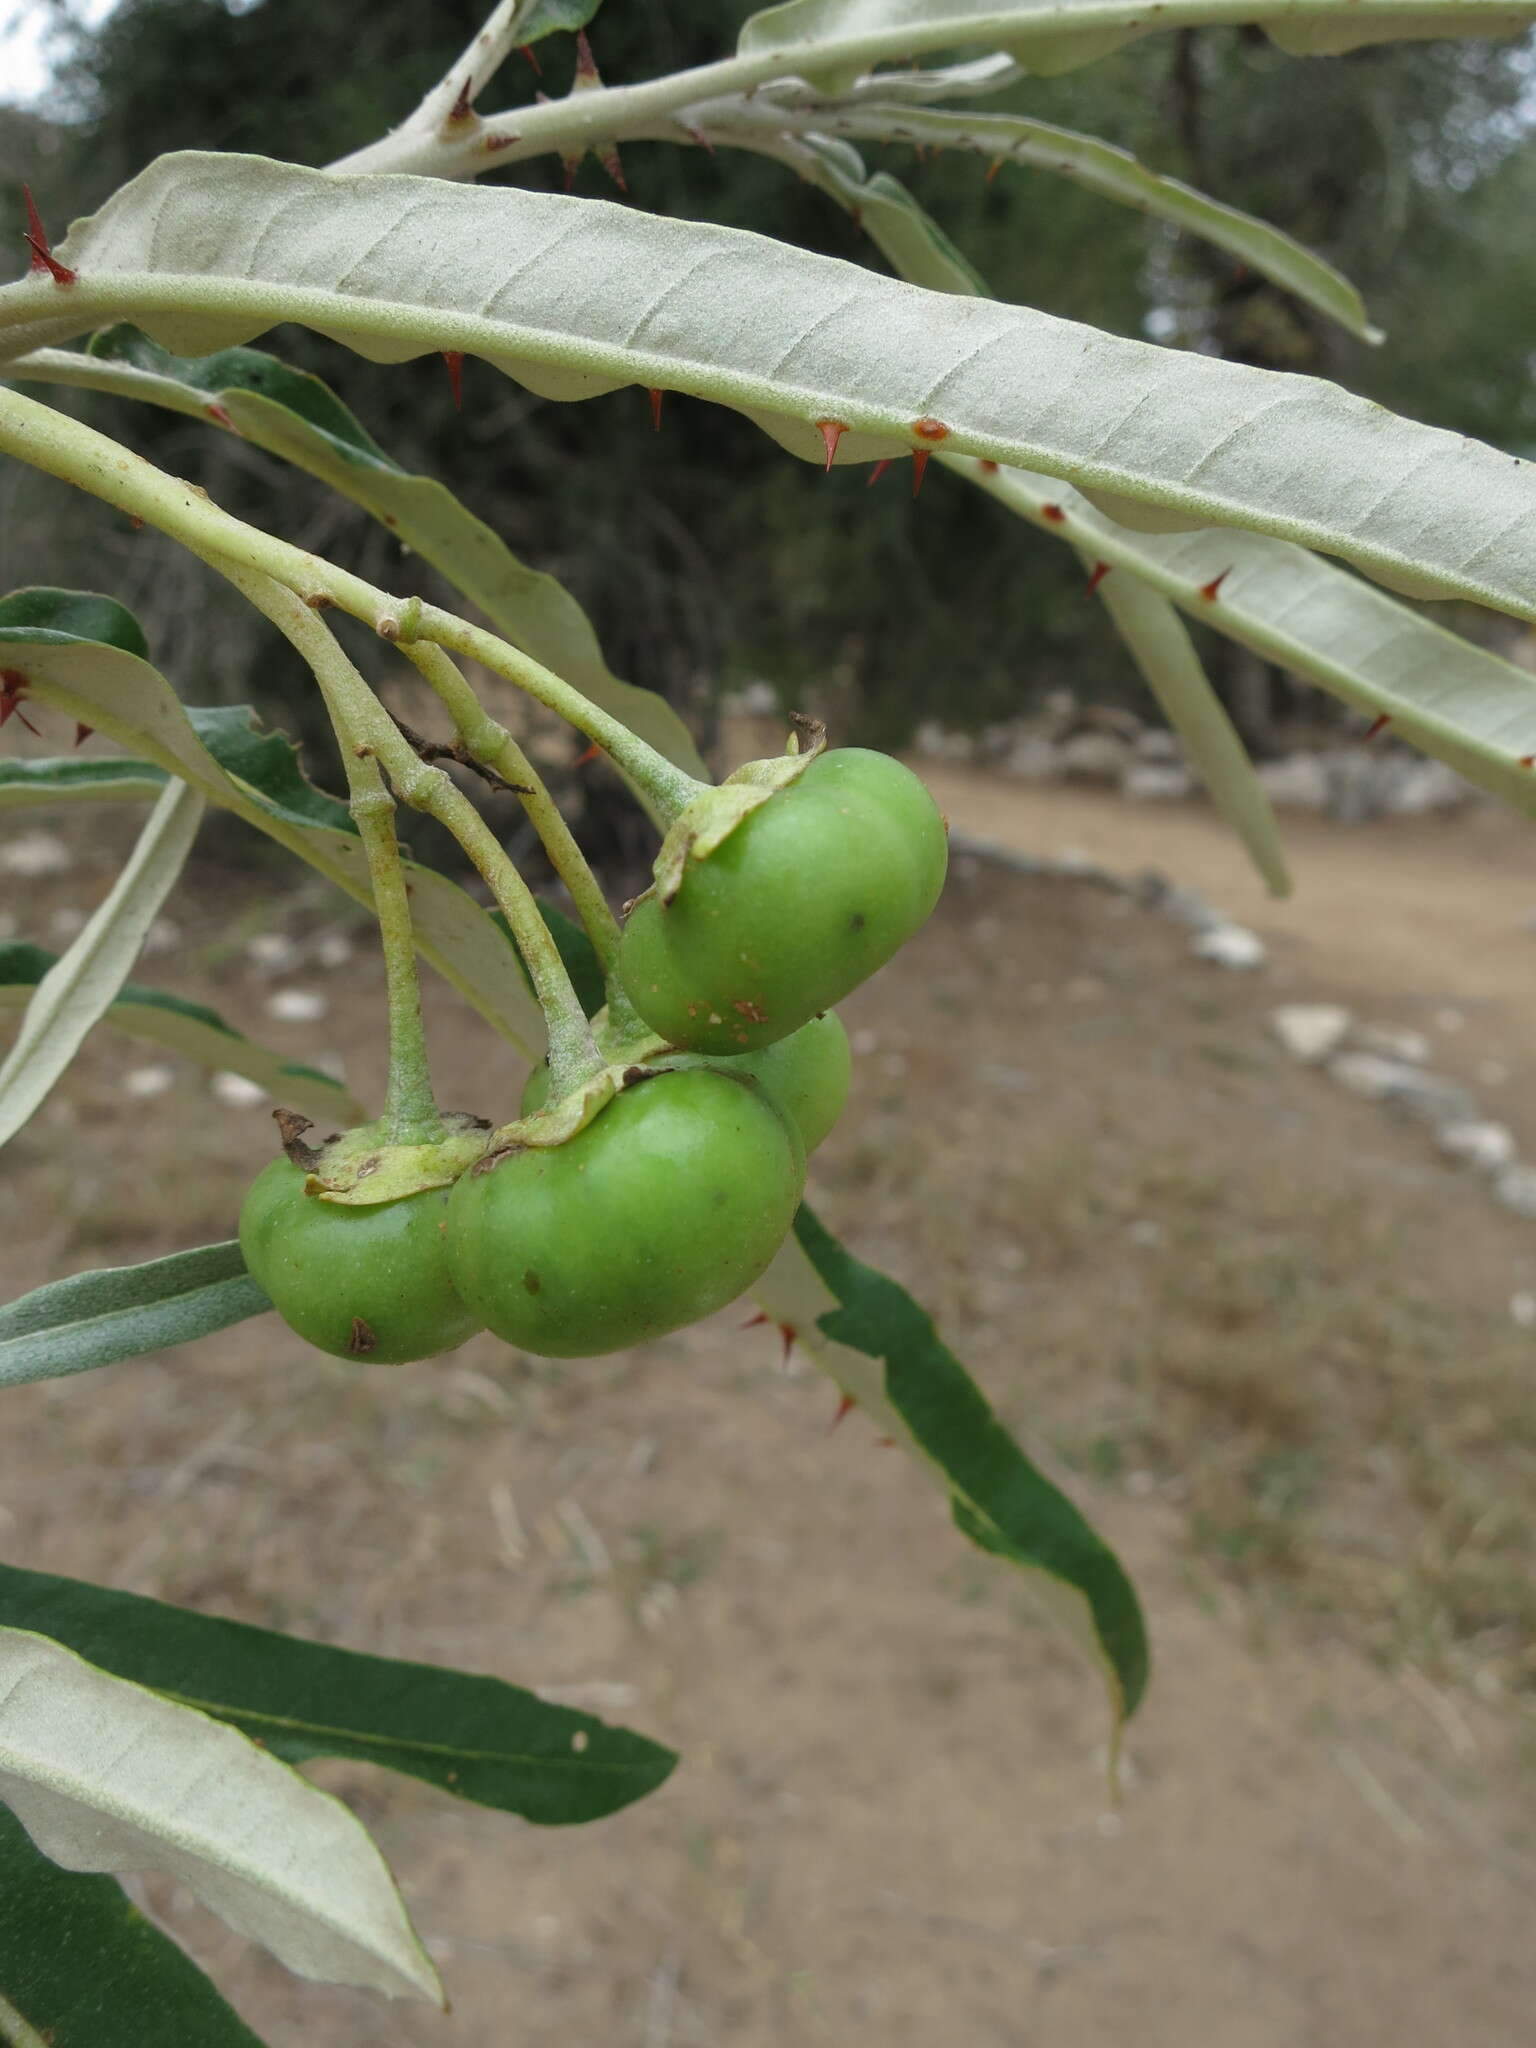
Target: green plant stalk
94, 462
410, 1109
489, 742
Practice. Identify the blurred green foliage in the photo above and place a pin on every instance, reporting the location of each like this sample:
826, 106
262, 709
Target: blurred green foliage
706, 555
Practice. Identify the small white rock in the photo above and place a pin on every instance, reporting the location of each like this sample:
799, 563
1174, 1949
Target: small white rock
1486, 1146
1146, 1233
1230, 945
1393, 1042
1428, 1097
1299, 782
1157, 782
1094, 757
1516, 1189
143, 1083
1073, 862
236, 1091
274, 952
1310, 1031
1522, 1309
163, 936
1032, 759
35, 853
1158, 744
863, 1043
297, 1006
333, 949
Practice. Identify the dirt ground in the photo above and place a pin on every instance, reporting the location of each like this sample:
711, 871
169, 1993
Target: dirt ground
1258, 1328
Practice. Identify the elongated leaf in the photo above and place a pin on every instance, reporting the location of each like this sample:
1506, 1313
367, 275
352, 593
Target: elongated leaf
909, 237
1098, 167
84, 982
1458, 702
83, 1968
28, 783
1050, 36
102, 684
478, 1738
107, 1776
576, 296
294, 415
194, 1031
120, 1312
883, 1351
1165, 654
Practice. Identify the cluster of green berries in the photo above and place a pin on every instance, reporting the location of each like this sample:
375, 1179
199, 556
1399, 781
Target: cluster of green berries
673, 1199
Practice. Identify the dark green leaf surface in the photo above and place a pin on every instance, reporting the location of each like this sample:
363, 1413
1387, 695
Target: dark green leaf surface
476, 1737
1000, 1501
268, 763
59, 616
118, 1312
83, 1967
73, 780
575, 949
549, 16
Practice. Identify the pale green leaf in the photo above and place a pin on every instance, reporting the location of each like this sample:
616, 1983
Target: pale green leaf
77, 781
1050, 36
84, 982
1162, 649
192, 1030
106, 1776
578, 296
118, 1312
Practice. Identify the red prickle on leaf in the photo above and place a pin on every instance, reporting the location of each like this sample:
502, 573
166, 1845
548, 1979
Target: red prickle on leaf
1099, 572
37, 241
878, 471
1210, 591
13, 687
831, 432
454, 358
1378, 724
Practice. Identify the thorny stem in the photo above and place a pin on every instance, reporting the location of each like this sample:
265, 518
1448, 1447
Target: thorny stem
78, 454
489, 742
410, 1109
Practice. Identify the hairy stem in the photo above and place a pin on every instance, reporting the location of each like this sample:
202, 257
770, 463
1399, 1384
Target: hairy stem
410, 1109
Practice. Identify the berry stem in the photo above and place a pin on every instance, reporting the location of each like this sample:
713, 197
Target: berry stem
489, 742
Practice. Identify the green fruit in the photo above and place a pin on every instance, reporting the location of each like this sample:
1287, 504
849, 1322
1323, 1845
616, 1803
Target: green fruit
805, 1076
664, 1208
369, 1284
810, 894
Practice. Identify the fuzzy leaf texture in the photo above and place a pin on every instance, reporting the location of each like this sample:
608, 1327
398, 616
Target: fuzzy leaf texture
1052, 36
84, 982
191, 1030
106, 1776
475, 1737
103, 683
82, 1967
118, 1312
575, 297
876, 1343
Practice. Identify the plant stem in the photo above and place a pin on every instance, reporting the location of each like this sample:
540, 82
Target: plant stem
490, 743
78, 454
410, 1109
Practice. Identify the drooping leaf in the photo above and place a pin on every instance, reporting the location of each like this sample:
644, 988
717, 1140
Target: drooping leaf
82, 1967
882, 1350
1098, 167
123, 697
476, 1737
1050, 36
576, 296
76, 780
1162, 649
84, 982
294, 415
118, 1312
548, 17
107, 1776
194, 1031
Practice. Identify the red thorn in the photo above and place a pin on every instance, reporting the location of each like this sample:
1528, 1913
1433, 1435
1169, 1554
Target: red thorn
1052, 512
1209, 590
496, 143
1528, 760
219, 416
590, 755
42, 250
831, 432
844, 1403
454, 358
609, 159
879, 470
586, 63
787, 1331
1100, 571
532, 57
13, 687
756, 1322
657, 395
569, 166
994, 167
1379, 725
919, 469
930, 430
701, 139
82, 733
135, 522
987, 466
462, 109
